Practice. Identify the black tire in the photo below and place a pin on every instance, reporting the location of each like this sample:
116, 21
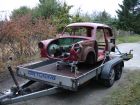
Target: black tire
109, 82
91, 58
118, 72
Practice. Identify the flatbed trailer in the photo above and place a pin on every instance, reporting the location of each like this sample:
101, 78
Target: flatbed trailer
47, 73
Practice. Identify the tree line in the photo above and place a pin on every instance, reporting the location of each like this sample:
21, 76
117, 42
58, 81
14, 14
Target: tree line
128, 15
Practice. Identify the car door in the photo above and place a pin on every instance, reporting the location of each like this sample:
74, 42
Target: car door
101, 42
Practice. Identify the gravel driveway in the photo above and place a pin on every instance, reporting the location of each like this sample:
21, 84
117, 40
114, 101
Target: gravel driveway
91, 94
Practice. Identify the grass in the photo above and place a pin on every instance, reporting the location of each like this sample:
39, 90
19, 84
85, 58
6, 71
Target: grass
128, 93
19, 61
127, 39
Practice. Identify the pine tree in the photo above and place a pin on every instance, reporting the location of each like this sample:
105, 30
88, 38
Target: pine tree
129, 15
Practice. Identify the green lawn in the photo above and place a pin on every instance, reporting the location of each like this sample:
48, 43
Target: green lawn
128, 93
127, 39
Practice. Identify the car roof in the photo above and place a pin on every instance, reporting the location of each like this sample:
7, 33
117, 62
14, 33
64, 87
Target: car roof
88, 24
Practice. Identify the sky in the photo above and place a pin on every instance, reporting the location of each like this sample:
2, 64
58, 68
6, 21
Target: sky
6, 6
90, 6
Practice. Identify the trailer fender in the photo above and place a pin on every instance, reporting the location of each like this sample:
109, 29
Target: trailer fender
107, 68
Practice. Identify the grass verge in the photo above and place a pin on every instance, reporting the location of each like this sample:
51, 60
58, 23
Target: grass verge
127, 39
128, 93
19, 61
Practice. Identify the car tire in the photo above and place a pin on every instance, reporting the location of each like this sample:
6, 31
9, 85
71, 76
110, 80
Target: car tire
90, 59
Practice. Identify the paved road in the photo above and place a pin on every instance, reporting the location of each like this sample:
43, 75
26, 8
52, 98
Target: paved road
134, 63
91, 94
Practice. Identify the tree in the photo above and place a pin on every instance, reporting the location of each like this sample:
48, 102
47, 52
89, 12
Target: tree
77, 16
62, 17
129, 15
47, 8
102, 17
54, 10
20, 12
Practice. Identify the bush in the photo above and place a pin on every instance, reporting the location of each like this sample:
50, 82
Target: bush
19, 36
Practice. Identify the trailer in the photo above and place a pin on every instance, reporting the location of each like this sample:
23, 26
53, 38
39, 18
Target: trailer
46, 72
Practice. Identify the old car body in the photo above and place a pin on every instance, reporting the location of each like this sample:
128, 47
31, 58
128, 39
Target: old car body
83, 42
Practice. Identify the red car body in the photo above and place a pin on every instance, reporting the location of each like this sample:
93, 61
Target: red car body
82, 42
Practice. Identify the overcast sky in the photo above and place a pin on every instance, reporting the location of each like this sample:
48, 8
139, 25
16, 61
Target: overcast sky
6, 6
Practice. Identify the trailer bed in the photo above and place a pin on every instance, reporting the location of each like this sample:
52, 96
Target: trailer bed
46, 72
64, 70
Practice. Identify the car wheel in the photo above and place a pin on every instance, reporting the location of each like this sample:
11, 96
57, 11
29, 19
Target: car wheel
90, 58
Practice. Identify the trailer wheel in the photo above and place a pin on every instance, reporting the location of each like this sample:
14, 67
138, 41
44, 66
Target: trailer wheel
110, 81
118, 72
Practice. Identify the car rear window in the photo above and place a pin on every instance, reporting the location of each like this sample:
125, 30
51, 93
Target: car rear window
78, 31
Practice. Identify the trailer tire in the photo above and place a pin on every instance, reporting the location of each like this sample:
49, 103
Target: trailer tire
110, 81
118, 72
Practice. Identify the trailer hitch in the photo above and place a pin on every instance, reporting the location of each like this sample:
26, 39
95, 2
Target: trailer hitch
125, 56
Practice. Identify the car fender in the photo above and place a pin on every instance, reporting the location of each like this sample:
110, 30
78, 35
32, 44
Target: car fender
46, 42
